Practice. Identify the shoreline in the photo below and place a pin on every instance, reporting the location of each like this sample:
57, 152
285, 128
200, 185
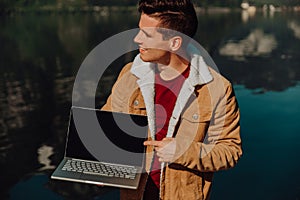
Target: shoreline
104, 10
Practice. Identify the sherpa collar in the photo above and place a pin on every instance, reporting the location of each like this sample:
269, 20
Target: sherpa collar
199, 72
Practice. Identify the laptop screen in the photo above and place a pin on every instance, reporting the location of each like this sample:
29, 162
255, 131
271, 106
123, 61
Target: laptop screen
106, 136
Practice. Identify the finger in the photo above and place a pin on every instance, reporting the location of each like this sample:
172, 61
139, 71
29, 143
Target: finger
157, 148
159, 154
162, 160
152, 143
168, 139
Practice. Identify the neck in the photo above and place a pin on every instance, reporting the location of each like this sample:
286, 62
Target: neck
173, 68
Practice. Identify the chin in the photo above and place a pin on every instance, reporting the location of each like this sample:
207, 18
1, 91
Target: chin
145, 59
149, 58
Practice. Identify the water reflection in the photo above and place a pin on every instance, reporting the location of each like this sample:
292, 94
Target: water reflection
41, 54
44, 152
262, 54
295, 27
257, 43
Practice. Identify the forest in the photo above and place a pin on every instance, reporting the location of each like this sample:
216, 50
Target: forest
9, 5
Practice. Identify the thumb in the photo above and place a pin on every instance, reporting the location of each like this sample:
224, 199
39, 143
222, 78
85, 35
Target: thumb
168, 139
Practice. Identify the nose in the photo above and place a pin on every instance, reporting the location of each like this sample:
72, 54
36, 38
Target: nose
138, 38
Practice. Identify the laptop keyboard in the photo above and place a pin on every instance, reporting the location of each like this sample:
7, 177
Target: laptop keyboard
101, 169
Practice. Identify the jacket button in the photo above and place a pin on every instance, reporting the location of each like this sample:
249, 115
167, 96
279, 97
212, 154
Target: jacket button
136, 103
195, 116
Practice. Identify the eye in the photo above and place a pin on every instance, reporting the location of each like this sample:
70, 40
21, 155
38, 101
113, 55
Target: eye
146, 33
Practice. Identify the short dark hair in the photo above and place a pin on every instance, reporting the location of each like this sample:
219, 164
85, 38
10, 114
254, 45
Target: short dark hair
178, 15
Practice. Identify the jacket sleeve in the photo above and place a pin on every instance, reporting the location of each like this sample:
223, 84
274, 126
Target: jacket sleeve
108, 105
221, 148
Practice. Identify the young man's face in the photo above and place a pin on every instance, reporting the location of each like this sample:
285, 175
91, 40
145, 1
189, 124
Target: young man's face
152, 47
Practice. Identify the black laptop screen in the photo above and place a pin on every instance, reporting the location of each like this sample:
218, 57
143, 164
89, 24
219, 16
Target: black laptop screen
106, 136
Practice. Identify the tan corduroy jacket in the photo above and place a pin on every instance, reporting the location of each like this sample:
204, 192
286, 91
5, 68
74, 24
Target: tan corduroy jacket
205, 124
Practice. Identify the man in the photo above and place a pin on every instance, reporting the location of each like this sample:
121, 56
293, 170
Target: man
192, 110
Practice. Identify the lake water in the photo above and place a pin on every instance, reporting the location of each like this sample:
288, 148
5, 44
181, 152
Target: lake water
41, 54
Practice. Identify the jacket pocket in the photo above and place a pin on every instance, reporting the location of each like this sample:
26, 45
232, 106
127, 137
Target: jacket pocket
137, 104
194, 125
191, 185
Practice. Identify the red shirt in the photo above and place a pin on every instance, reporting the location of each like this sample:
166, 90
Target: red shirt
166, 93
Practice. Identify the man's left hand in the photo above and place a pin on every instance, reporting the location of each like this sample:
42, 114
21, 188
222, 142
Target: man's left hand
165, 149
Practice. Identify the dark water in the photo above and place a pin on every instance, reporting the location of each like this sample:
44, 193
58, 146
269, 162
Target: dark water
40, 55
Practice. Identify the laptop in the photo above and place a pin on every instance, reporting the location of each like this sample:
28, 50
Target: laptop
103, 148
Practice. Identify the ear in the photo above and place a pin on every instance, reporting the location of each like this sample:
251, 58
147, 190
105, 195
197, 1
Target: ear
175, 43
